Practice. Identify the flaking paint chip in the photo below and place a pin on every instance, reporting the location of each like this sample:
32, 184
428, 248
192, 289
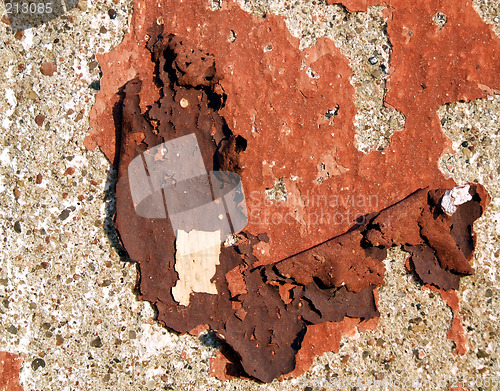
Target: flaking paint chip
196, 258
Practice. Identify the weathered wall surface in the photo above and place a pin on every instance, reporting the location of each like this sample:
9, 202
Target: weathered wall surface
67, 300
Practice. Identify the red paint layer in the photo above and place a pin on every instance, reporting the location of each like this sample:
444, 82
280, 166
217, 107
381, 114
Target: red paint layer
269, 94
456, 333
10, 365
319, 339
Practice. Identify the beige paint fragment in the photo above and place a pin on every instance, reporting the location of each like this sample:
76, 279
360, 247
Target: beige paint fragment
196, 257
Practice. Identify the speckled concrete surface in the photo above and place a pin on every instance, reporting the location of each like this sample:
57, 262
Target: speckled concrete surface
67, 300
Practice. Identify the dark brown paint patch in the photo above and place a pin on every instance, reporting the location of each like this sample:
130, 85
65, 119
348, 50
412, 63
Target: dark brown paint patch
261, 311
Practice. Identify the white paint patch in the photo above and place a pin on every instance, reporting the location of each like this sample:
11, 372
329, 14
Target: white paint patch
11, 100
27, 42
153, 341
4, 157
196, 257
6, 123
452, 198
